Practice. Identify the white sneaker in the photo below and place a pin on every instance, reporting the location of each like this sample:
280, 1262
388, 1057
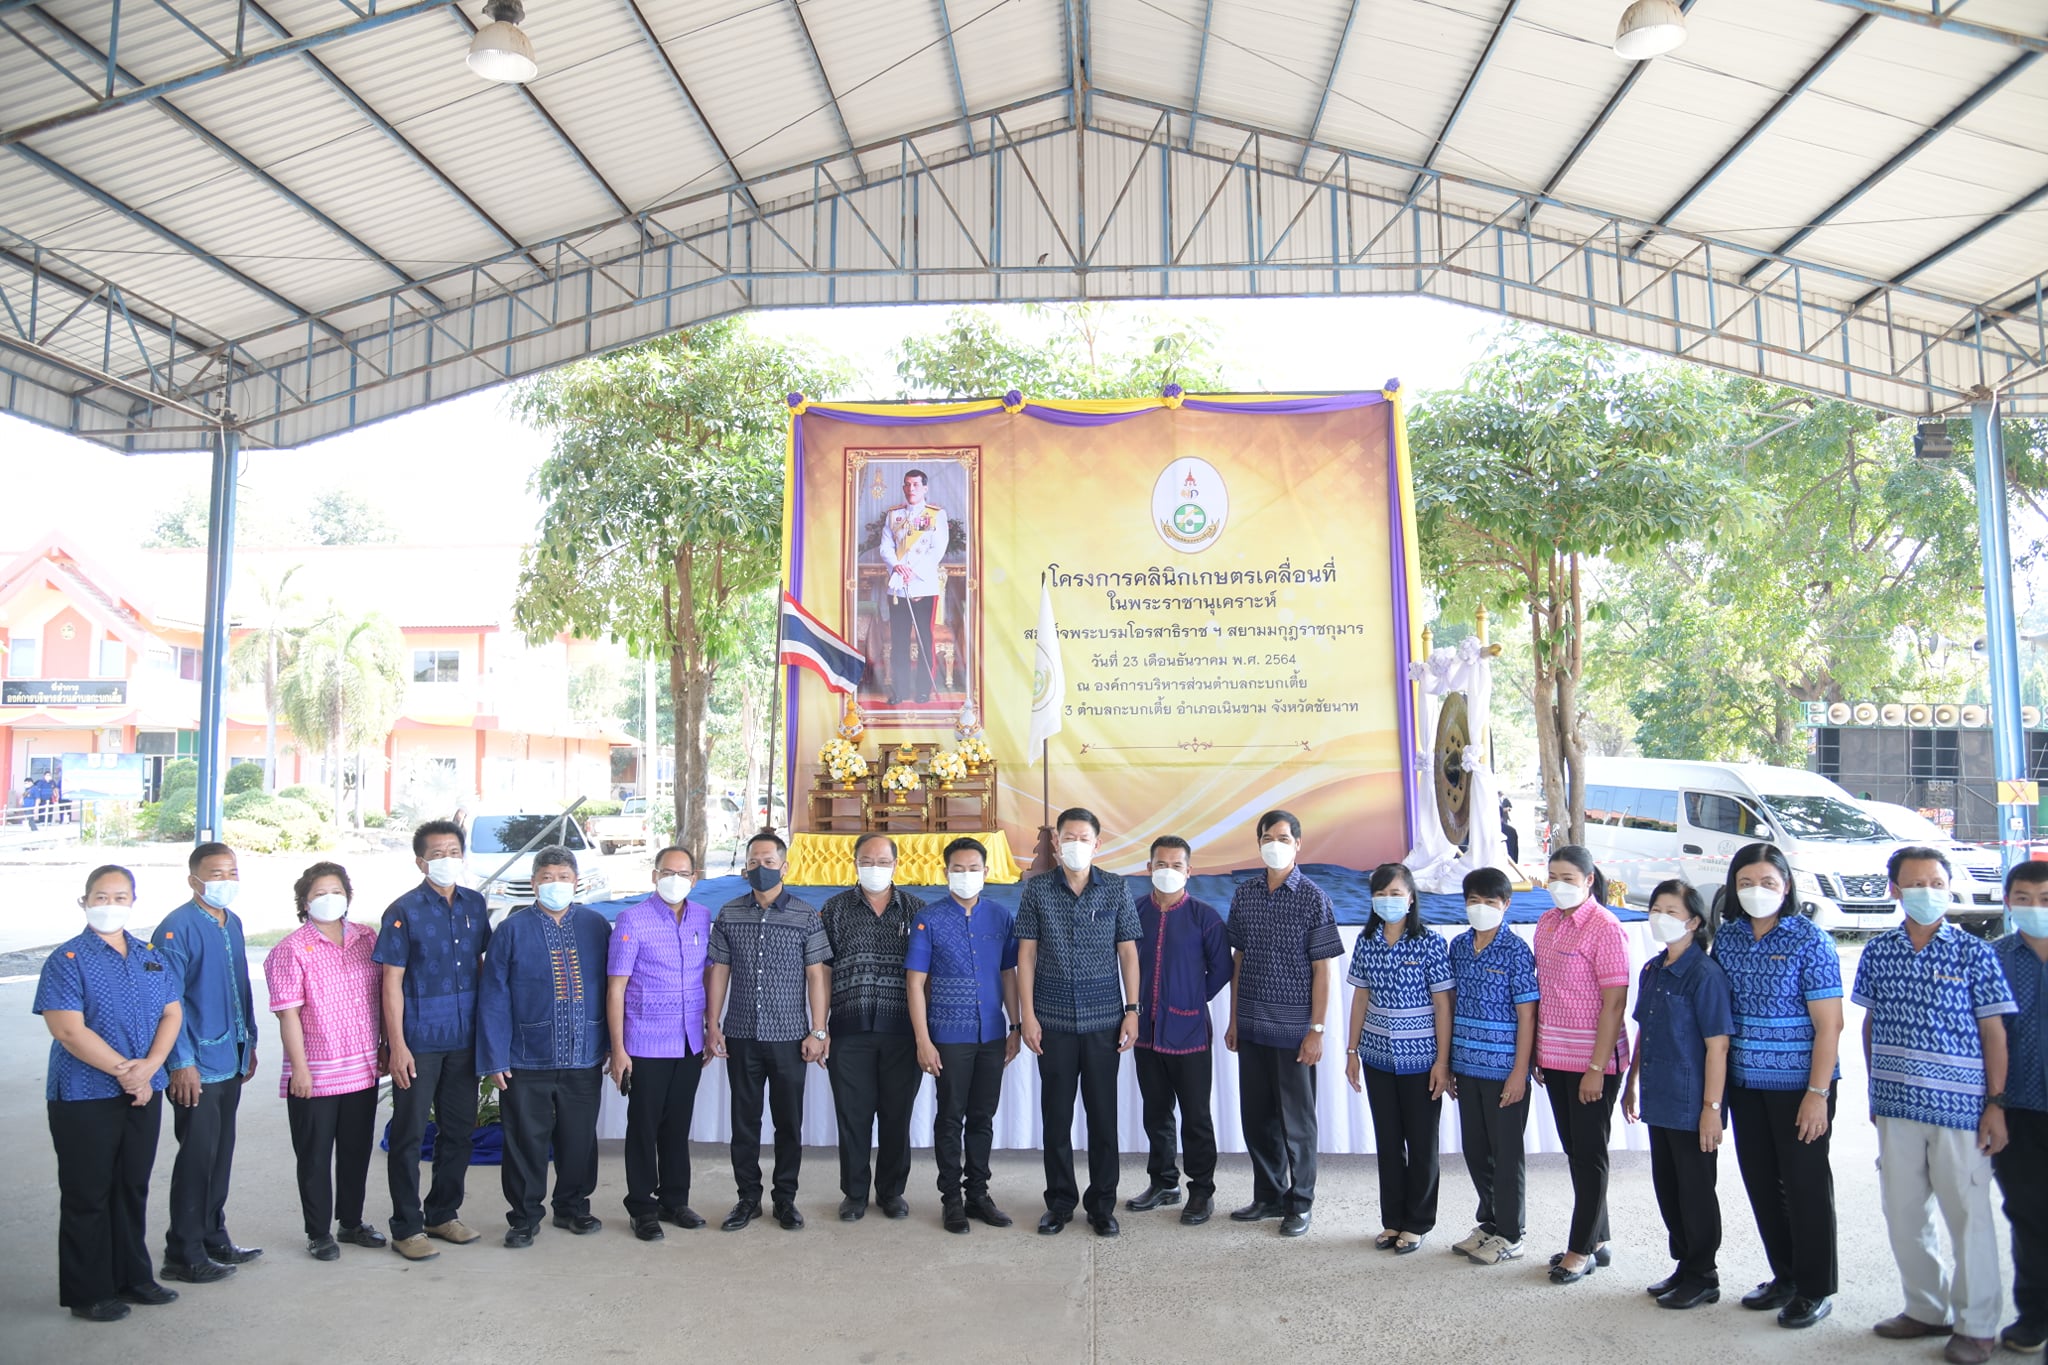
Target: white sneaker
1494, 1250
1471, 1242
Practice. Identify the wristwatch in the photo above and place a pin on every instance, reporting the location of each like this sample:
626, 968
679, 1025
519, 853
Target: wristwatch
1998, 1099
1714, 1105
1315, 1028
1817, 1090
820, 1035
1130, 1009
1016, 1028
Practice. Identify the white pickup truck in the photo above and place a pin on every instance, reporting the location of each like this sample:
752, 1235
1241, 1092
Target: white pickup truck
628, 828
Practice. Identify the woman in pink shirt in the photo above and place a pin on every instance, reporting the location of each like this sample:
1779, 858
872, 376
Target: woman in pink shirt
1582, 976
324, 990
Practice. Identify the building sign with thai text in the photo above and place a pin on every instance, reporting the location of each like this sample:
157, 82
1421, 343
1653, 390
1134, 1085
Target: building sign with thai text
63, 692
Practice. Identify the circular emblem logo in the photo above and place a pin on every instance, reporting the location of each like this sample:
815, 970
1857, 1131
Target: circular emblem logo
1190, 505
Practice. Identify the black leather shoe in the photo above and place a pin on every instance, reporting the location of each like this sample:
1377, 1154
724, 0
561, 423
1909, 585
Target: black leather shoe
648, 1228
323, 1248
518, 1238
207, 1272
896, 1207
1200, 1206
984, 1208
1805, 1312
1769, 1296
1690, 1296
852, 1210
1603, 1256
106, 1310
1156, 1196
954, 1215
1294, 1224
361, 1235
1105, 1224
582, 1224
684, 1217
743, 1213
233, 1255
788, 1217
150, 1295
1663, 1286
1560, 1273
1255, 1213
1051, 1224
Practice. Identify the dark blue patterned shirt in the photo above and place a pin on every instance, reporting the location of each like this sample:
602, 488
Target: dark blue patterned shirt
1077, 983
1773, 979
441, 945
1282, 935
218, 1032
1926, 1060
540, 1004
123, 1000
2026, 1031
1489, 986
1402, 980
963, 957
769, 951
1679, 1005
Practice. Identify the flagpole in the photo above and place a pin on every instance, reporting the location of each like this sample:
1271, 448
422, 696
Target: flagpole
1042, 859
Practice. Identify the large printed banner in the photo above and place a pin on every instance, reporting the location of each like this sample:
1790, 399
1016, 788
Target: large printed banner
1231, 579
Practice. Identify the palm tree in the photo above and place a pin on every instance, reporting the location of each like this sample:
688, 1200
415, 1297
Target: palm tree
342, 690
263, 653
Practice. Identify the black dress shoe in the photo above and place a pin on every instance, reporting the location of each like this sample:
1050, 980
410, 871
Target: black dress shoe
1560, 1273
1663, 1286
106, 1310
788, 1217
1155, 1196
743, 1213
150, 1295
1769, 1296
1804, 1312
954, 1215
684, 1217
896, 1207
648, 1228
582, 1224
233, 1255
323, 1248
518, 1238
207, 1272
1294, 1224
361, 1235
1602, 1256
1690, 1296
984, 1208
1256, 1212
1051, 1224
852, 1210
1105, 1224
1200, 1206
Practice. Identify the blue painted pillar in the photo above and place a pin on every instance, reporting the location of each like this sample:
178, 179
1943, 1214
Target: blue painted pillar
2001, 633
213, 652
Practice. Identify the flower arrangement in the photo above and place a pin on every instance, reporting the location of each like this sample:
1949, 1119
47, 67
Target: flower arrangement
842, 762
948, 768
900, 779
906, 756
835, 749
975, 752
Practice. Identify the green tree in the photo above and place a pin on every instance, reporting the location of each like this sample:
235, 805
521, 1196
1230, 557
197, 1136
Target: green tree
663, 509
271, 634
339, 517
1085, 350
1559, 455
342, 690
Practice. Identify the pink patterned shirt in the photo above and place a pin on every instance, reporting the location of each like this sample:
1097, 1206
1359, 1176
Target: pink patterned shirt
1577, 956
336, 991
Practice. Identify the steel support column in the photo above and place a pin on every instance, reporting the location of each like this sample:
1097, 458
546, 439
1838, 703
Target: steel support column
213, 652
2001, 630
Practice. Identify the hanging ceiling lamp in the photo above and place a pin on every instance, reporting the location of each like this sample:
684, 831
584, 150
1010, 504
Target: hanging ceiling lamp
1649, 28
501, 51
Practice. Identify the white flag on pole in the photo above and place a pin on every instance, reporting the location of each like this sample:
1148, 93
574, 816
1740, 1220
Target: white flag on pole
1048, 678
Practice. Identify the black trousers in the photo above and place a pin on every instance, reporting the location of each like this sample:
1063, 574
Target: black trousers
1583, 1129
660, 1100
1087, 1061
1164, 1080
105, 1149
1683, 1177
1277, 1102
199, 1177
541, 1107
912, 618
874, 1076
1791, 1186
970, 1085
2022, 1171
444, 1083
332, 1136
778, 1068
1404, 1134
1492, 1139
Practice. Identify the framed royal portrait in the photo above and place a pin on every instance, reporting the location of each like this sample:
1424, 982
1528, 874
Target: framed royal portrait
913, 580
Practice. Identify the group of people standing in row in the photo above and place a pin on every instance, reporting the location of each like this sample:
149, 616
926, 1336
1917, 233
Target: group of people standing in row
881, 986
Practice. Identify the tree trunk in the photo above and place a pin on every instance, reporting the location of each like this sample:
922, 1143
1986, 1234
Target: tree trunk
750, 734
270, 716
1557, 809
689, 682
1571, 739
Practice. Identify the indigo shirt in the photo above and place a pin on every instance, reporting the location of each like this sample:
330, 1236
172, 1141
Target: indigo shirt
1489, 986
1401, 981
1282, 935
662, 958
2026, 1030
1183, 961
1926, 1059
964, 956
218, 1034
1773, 979
123, 1000
441, 945
540, 1005
1077, 981
1679, 1005
769, 951
867, 961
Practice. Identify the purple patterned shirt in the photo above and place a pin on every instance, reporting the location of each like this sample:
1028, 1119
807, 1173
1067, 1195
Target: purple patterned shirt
662, 960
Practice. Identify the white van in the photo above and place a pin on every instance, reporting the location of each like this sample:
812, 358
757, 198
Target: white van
1650, 819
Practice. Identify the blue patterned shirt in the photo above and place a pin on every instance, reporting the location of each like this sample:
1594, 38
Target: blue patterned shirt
1077, 981
963, 957
540, 1004
2026, 1030
440, 944
1402, 980
770, 953
218, 1034
1773, 979
1926, 1060
1679, 1005
1281, 935
123, 1000
1484, 1018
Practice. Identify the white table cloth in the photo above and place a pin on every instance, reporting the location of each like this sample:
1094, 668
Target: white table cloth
1344, 1123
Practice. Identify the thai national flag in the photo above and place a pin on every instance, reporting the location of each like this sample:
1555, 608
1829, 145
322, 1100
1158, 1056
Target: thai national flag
807, 644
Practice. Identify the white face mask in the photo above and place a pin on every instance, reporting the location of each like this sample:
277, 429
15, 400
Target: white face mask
1169, 881
1759, 902
1277, 854
965, 886
1483, 917
221, 894
555, 895
1668, 928
328, 908
672, 888
444, 871
110, 918
1567, 895
876, 879
1076, 855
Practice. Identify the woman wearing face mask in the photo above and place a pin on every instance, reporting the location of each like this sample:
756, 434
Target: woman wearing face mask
1786, 982
1683, 1023
110, 1002
1401, 1041
325, 992
1493, 1042
1582, 974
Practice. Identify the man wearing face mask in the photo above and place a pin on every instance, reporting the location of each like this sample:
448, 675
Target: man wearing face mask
2022, 1168
1183, 961
874, 1057
960, 973
1077, 982
431, 950
1493, 1038
767, 1003
1936, 1050
540, 1035
654, 1004
216, 1051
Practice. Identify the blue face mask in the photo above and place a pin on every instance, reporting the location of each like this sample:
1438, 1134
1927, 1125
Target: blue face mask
2031, 920
764, 879
1924, 904
221, 894
1390, 908
555, 895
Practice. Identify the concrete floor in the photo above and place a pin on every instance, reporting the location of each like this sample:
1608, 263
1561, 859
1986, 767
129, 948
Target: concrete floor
879, 1291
